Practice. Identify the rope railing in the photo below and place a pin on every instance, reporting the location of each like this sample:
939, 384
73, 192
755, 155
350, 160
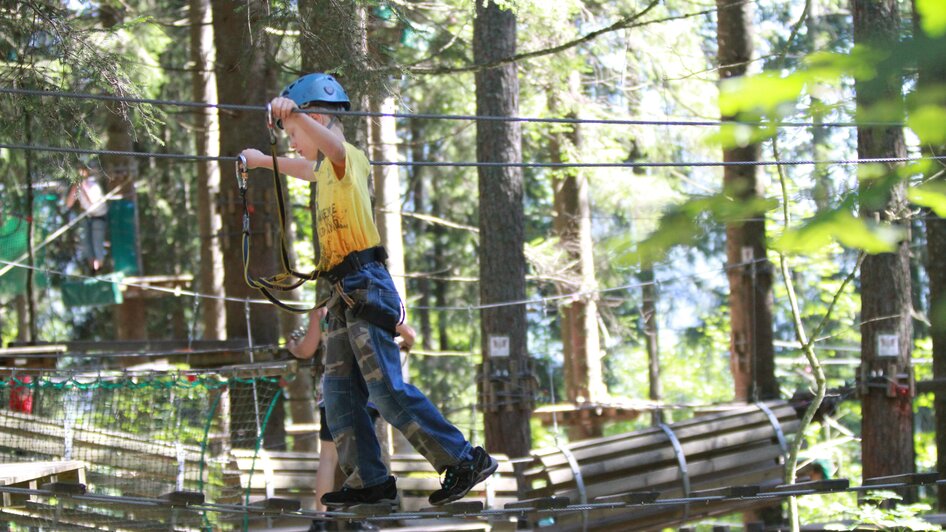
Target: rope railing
492, 164
690, 122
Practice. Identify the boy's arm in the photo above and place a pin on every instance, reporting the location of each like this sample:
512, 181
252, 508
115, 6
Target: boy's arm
306, 346
298, 168
327, 142
71, 197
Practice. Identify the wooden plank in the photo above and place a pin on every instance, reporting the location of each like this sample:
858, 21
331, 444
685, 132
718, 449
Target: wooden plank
18, 473
693, 427
717, 467
642, 462
604, 448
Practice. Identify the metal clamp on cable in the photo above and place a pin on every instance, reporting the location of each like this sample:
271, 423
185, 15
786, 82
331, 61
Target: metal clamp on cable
776, 426
241, 170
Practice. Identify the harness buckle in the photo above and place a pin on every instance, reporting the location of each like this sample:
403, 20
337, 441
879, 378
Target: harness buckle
241, 176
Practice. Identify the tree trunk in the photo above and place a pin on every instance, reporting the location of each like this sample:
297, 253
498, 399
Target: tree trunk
246, 75
752, 354
207, 141
649, 317
419, 196
129, 317
824, 186
387, 188
887, 425
572, 225
506, 380
932, 76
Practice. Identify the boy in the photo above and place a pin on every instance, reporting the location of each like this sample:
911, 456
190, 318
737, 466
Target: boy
362, 360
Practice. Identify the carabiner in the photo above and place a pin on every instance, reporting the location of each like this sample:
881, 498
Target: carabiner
241, 176
270, 123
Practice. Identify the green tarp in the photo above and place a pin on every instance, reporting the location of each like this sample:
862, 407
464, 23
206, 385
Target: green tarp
123, 236
92, 292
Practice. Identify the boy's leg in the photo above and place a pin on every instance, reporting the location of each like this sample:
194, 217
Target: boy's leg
88, 248
359, 453
97, 245
400, 403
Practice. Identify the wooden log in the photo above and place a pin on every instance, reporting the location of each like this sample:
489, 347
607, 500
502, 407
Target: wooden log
695, 427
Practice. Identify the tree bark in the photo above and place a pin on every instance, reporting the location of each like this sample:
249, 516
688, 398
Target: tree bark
752, 354
932, 76
886, 307
246, 75
649, 318
506, 383
387, 189
581, 346
129, 318
207, 141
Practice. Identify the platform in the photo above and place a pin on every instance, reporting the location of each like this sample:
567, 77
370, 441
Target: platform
32, 475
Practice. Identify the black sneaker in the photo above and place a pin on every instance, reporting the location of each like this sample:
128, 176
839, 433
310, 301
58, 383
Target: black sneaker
384, 493
460, 479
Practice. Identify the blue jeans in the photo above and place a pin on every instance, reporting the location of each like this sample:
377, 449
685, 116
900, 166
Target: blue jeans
93, 239
362, 363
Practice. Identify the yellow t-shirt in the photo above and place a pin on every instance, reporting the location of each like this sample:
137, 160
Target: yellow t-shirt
344, 218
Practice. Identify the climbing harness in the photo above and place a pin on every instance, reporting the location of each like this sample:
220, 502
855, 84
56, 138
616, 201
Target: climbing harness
289, 278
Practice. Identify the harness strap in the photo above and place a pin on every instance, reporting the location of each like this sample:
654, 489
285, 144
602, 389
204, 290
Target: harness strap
289, 278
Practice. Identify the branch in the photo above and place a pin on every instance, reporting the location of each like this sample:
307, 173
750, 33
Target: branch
630, 21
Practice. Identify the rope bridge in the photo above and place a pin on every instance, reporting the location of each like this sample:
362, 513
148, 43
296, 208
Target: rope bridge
183, 450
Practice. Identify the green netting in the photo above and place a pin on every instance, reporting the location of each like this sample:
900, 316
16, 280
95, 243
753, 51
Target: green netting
13, 248
122, 230
138, 436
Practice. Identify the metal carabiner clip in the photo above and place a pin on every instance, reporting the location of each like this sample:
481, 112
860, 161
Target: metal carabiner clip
241, 176
270, 123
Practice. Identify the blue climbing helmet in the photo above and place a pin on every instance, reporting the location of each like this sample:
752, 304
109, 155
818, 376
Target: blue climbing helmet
317, 88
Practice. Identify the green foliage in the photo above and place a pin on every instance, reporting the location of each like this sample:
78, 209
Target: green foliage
932, 17
840, 225
873, 515
931, 195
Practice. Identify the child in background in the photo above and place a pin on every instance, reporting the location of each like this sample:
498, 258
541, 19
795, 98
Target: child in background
88, 191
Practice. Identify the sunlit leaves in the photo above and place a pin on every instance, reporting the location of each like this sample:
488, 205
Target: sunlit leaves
840, 225
932, 195
683, 224
932, 17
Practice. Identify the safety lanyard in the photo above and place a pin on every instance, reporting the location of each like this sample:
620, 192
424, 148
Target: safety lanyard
289, 278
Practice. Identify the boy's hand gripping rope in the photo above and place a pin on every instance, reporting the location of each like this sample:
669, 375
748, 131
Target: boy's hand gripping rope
289, 278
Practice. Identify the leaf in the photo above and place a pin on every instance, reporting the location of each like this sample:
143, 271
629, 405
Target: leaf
764, 92
932, 17
932, 195
927, 122
844, 227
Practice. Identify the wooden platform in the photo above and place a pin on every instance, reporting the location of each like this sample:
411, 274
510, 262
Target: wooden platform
32, 475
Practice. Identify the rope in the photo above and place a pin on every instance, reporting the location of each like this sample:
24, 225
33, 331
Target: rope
533, 301
435, 116
490, 164
289, 278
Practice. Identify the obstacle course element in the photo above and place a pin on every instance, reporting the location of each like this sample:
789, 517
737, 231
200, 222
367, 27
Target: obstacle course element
742, 445
158, 513
156, 446
145, 435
